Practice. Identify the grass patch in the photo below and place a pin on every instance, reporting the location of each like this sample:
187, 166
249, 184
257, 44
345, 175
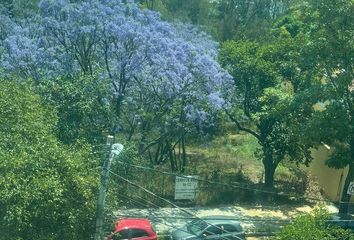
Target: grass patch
227, 154
228, 159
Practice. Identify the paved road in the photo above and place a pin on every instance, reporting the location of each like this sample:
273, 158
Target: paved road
252, 218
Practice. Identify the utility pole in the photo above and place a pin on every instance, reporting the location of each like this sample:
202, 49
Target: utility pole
114, 150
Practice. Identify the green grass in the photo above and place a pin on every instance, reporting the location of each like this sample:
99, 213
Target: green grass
228, 159
227, 154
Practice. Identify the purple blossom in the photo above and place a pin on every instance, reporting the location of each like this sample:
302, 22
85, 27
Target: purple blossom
216, 100
146, 59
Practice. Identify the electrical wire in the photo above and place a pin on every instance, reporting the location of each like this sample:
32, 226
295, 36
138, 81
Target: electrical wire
154, 217
209, 218
190, 218
171, 203
185, 211
241, 186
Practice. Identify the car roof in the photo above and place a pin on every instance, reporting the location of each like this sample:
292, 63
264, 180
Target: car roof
126, 223
342, 217
221, 220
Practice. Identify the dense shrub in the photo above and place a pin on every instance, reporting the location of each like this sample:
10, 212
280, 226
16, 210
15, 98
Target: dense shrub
313, 226
46, 188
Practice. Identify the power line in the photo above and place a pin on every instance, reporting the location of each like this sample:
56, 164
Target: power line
189, 218
142, 204
189, 213
211, 218
153, 194
154, 217
181, 209
138, 202
241, 186
171, 203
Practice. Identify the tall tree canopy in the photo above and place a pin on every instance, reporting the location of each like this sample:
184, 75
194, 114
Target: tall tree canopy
225, 19
139, 54
331, 49
47, 189
264, 102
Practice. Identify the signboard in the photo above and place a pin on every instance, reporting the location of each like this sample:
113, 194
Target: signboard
186, 187
351, 189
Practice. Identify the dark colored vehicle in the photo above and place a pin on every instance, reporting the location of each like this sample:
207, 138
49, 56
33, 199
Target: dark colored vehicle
133, 228
210, 228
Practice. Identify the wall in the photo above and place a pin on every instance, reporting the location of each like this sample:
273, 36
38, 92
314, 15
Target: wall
330, 180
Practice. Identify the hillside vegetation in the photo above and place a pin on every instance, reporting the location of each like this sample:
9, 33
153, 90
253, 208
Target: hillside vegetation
235, 92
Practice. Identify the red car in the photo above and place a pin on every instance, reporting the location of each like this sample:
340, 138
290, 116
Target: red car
133, 228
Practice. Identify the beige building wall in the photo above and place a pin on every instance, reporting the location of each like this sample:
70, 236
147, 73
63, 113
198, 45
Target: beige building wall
330, 180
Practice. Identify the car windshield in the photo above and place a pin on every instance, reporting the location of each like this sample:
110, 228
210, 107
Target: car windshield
196, 226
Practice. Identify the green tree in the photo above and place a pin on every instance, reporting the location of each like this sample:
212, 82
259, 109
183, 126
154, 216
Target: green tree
194, 11
225, 19
264, 102
82, 104
331, 49
312, 226
239, 19
197, 12
20, 8
47, 189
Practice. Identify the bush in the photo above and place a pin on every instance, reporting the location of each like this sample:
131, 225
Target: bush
313, 226
47, 189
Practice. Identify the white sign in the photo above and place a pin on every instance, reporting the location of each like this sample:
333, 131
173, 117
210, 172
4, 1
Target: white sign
186, 187
351, 189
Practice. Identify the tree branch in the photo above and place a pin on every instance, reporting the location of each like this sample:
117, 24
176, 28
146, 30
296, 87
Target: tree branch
256, 135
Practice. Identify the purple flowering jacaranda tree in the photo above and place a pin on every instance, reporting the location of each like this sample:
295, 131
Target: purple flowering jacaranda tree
164, 77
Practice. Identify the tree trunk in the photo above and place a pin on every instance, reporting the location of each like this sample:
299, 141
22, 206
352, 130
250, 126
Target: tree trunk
143, 138
172, 158
157, 152
269, 168
184, 154
179, 162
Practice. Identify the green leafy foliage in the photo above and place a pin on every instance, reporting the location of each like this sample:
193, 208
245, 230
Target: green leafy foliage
225, 19
312, 226
266, 79
330, 46
20, 8
47, 189
82, 105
